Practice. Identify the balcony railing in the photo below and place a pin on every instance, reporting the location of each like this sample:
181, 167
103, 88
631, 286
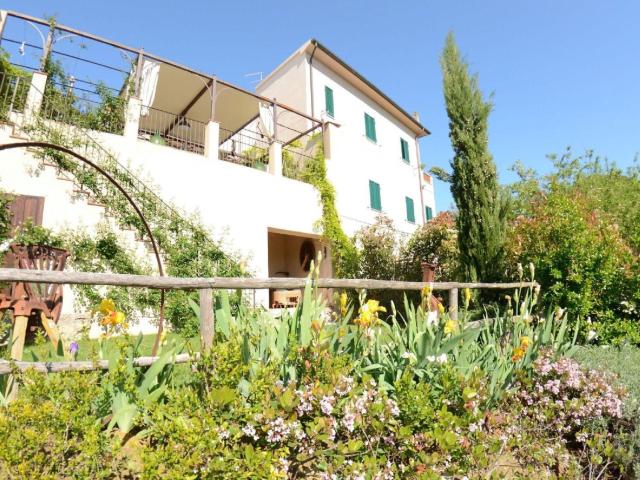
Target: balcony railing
297, 155
83, 108
164, 128
13, 93
247, 148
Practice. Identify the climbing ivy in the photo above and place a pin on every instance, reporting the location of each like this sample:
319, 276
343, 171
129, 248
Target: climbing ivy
343, 250
185, 243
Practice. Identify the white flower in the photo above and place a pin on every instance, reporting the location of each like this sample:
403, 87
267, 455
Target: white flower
410, 356
250, 431
348, 421
442, 358
326, 404
591, 335
431, 358
393, 407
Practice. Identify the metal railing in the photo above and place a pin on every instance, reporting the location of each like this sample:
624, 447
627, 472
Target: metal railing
103, 115
164, 128
245, 147
14, 90
297, 155
79, 138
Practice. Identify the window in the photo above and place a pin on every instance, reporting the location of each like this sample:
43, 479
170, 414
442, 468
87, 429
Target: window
411, 214
370, 127
374, 196
429, 213
404, 148
328, 101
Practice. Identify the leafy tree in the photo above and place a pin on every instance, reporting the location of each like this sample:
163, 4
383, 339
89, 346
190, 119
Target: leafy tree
434, 242
482, 209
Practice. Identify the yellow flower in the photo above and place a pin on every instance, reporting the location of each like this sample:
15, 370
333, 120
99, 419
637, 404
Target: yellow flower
467, 295
525, 342
440, 308
369, 313
518, 353
343, 303
426, 291
316, 326
450, 326
106, 306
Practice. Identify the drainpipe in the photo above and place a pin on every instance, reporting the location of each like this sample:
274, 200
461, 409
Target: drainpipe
315, 45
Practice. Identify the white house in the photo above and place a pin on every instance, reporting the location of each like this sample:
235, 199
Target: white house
371, 143
234, 156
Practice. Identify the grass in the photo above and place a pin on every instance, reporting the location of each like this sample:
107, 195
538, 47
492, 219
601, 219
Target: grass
43, 350
623, 361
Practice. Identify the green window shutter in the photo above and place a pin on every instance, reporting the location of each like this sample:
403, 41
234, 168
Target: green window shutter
370, 127
411, 214
374, 196
328, 101
429, 213
404, 148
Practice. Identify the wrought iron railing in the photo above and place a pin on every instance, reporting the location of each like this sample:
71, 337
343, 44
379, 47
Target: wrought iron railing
297, 155
49, 126
14, 90
245, 147
164, 128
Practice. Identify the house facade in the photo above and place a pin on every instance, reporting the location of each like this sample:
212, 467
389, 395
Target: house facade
371, 144
233, 156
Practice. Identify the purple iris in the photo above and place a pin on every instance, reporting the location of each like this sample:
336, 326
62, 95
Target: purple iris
73, 348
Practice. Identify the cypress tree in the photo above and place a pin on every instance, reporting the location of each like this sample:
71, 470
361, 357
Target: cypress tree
482, 209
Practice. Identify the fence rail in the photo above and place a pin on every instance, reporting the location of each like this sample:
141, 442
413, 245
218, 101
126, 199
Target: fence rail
13, 93
235, 283
206, 286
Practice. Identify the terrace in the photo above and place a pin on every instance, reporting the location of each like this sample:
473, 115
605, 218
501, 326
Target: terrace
120, 90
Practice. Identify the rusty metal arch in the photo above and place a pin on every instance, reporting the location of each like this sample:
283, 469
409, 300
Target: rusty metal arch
114, 182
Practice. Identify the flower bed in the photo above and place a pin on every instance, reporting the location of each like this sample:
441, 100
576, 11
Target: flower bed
363, 396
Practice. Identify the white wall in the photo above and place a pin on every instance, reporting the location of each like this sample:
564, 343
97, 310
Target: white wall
239, 204
353, 159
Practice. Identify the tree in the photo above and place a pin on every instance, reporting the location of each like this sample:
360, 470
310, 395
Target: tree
482, 208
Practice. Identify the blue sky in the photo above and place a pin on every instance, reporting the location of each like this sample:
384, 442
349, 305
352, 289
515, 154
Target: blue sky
563, 73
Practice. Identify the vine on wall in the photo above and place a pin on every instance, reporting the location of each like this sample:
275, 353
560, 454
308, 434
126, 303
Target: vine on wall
343, 250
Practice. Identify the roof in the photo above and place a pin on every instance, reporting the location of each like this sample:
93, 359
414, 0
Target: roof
346, 71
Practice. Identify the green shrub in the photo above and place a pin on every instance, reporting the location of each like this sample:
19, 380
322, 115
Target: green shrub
582, 262
52, 431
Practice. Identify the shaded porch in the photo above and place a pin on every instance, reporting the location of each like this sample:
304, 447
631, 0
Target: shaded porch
290, 255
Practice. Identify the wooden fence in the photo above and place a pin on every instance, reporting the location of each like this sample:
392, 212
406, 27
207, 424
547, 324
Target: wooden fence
206, 287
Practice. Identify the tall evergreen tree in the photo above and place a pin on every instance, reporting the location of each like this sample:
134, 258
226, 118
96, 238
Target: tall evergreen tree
482, 209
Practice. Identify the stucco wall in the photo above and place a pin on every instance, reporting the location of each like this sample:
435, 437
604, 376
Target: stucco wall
353, 159
237, 203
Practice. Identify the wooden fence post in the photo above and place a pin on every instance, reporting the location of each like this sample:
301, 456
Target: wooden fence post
207, 320
453, 304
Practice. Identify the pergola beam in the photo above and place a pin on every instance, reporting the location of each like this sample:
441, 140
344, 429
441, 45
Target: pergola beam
190, 105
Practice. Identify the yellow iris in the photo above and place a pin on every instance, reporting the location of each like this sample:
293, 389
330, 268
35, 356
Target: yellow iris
343, 303
518, 353
106, 306
525, 342
368, 313
467, 295
450, 327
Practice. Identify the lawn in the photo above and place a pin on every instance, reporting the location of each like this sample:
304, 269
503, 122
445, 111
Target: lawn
623, 361
88, 347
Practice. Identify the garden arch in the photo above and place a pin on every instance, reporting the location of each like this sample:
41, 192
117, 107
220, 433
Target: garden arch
114, 182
